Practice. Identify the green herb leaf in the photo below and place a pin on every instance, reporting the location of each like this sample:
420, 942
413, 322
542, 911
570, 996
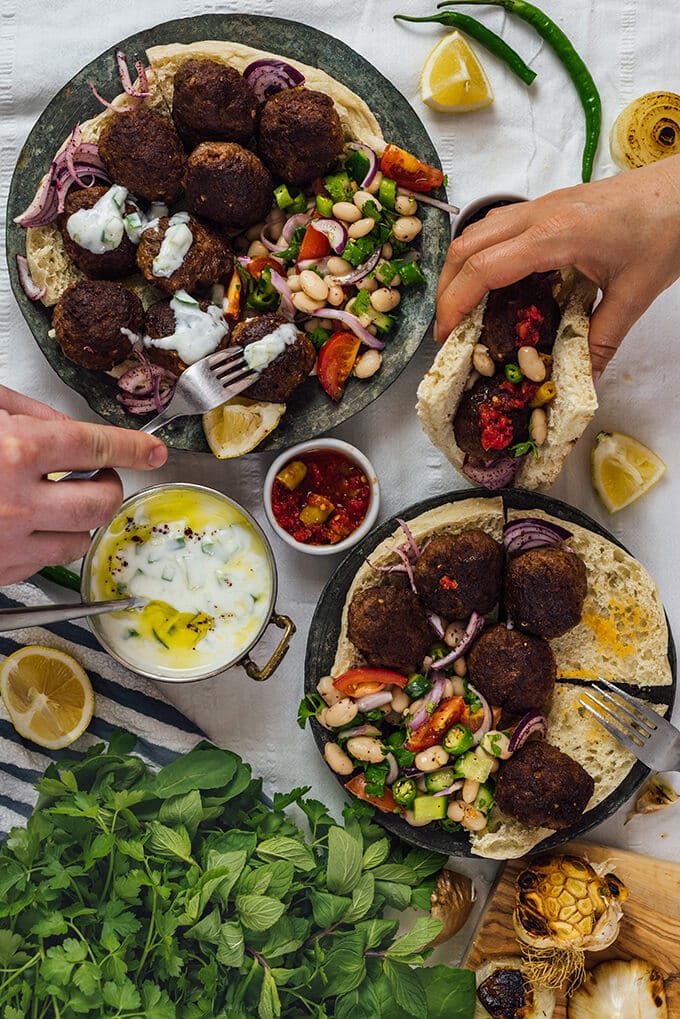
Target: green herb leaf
398, 896
230, 944
185, 809
407, 987
451, 993
259, 912
363, 894
376, 853
166, 841
285, 848
201, 768
425, 929
269, 1005
328, 909
344, 964
344, 861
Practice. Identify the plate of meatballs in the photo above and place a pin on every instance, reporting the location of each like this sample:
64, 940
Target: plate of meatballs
446, 660
152, 240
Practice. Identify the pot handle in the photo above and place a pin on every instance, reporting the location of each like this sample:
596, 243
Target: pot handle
260, 674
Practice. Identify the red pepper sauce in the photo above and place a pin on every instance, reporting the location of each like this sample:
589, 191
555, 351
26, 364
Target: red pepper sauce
336, 478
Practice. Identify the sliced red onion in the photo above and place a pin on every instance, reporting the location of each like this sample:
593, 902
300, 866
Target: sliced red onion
373, 161
374, 700
29, 287
124, 75
270, 245
360, 271
393, 773
412, 772
353, 323
436, 623
494, 474
427, 200
532, 722
409, 537
334, 231
146, 404
458, 784
408, 566
433, 697
291, 225
109, 106
73, 164
521, 535
472, 631
268, 76
487, 721
313, 263
394, 568
359, 730
286, 307
146, 387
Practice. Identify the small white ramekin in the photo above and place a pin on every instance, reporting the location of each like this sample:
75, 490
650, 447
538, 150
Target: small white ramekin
332, 445
468, 211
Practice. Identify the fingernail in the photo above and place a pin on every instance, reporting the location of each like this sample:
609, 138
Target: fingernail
158, 455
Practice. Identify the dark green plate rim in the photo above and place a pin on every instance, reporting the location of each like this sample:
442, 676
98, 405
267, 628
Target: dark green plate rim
325, 631
310, 412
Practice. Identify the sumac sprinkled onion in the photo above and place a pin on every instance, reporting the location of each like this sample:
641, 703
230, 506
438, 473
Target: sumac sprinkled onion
521, 535
267, 76
532, 722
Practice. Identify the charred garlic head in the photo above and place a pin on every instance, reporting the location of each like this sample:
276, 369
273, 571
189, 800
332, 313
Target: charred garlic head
505, 992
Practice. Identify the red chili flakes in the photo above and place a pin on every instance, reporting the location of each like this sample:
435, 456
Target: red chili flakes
495, 427
448, 583
529, 321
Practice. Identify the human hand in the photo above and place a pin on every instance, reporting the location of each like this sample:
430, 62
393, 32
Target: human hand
623, 233
43, 523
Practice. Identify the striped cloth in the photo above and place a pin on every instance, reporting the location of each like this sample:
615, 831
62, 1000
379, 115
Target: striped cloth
123, 700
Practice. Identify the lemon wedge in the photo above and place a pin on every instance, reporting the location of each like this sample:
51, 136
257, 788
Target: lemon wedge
48, 695
239, 425
623, 469
452, 79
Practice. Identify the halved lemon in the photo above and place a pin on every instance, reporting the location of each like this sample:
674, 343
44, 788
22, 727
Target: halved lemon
48, 695
452, 79
239, 425
623, 469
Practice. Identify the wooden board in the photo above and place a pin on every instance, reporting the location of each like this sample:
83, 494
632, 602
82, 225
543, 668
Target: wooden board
650, 928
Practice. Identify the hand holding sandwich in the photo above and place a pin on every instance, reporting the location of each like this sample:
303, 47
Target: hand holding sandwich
623, 233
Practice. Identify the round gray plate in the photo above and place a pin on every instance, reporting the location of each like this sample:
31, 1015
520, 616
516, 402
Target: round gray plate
325, 631
310, 412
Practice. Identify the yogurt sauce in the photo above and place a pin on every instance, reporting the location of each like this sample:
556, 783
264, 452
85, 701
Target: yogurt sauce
197, 333
177, 240
205, 572
262, 352
101, 228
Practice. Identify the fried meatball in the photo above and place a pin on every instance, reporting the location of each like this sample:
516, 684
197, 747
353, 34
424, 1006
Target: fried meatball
110, 265
498, 394
513, 670
159, 321
507, 312
542, 787
89, 320
460, 573
143, 152
228, 184
212, 102
286, 372
545, 589
299, 135
389, 626
208, 260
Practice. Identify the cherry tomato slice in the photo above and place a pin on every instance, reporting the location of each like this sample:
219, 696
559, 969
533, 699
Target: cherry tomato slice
257, 265
361, 682
432, 732
335, 362
408, 171
386, 802
314, 245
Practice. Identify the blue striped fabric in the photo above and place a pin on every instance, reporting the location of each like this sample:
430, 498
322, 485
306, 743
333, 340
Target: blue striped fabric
123, 700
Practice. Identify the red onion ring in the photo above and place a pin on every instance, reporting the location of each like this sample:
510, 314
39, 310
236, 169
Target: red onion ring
472, 631
287, 307
28, 285
124, 75
360, 271
49, 198
458, 784
353, 323
291, 225
393, 773
373, 161
313, 263
494, 474
334, 231
433, 697
408, 566
267, 76
521, 535
143, 405
436, 623
374, 700
359, 730
532, 722
487, 721
107, 104
427, 200
394, 568
409, 537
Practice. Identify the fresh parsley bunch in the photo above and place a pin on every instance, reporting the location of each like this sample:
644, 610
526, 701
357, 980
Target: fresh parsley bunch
180, 894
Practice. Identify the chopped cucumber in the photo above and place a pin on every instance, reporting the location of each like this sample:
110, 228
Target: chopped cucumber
472, 766
438, 781
429, 808
484, 799
168, 572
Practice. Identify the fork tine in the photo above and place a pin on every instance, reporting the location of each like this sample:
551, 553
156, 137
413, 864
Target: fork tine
622, 737
235, 388
624, 715
227, 376
223, 356
644, 711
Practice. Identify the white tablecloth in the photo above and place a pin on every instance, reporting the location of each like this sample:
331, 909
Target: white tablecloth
527, 142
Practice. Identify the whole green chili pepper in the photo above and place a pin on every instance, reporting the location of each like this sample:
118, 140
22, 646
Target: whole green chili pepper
62, 576
492, 42
571, 61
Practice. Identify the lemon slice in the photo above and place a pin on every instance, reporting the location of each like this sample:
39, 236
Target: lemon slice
48, 696
623, 469
452, 79
239, 425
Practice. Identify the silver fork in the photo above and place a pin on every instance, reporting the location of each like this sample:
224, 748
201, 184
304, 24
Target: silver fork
648, 736
202, 386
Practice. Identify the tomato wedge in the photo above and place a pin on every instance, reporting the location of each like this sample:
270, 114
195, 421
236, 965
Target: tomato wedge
432, 732
335, 362
256, 266
314, 245
357, 787
361, 682
408, 171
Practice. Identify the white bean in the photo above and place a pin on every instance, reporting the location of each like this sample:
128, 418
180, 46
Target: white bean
347, 212
361, 227
420, 785
328, 691
538, 426
460, 667
365, 321
342, 713
339, 266
482, 361
473, 819
455, 810
415, 707
453, 633
495, 744
531, 364
495, 765
471, 379
410, 818
336, 295
361, 197
253, 232
374, 186
321, 718
431, 759
407, 228
313, 285
387, 250
385, 299
366, 748
364, 368
470, 790
257, 249
448, 689
405, 205
369, 283
293, 282
304, 303
400, 699
458, 686
336, 758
